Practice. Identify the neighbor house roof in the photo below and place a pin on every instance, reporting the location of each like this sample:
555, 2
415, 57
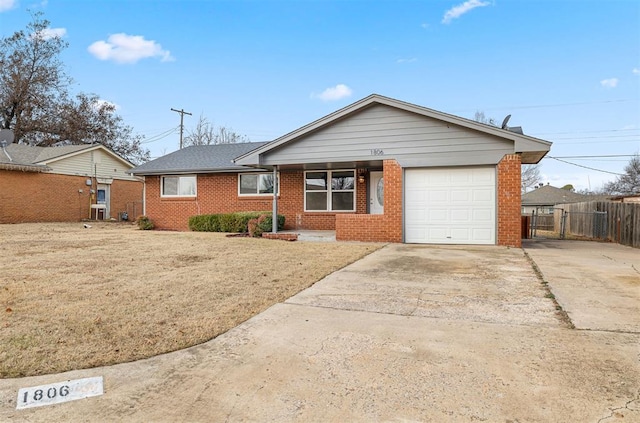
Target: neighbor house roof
550, 196
531, 149
35, 158
198, 159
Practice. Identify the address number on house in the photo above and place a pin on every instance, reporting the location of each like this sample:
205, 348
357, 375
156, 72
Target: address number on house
377, 152
55, 393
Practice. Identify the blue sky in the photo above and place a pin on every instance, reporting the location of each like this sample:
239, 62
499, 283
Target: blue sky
567, 71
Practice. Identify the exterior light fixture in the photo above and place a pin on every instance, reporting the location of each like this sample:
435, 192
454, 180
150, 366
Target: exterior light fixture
361, 174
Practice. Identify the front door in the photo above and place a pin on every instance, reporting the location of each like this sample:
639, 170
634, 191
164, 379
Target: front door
376, 193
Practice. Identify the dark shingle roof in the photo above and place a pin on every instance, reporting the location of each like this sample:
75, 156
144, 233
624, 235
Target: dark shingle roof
550, 196
198, 159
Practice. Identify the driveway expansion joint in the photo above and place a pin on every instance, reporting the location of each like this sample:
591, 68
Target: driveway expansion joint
412, 314
564, 316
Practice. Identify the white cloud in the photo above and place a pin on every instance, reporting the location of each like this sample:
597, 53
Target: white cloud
425, 25
100, 102
8, 5
410, 60
48, 33
334, 93
459, 10
636, 71
123, 48
609, 83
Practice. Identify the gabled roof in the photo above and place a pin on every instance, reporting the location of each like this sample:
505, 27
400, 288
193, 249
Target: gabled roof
198, 159
35, 158
550, 196
532, 149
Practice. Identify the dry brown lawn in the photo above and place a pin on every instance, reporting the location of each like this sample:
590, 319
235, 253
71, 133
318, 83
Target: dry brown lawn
76, 298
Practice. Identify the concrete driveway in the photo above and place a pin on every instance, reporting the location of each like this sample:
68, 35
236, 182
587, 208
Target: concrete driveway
409, 333
597, 284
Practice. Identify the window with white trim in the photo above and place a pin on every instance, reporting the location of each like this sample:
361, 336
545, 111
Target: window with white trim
330, 190
255, 184
178, 186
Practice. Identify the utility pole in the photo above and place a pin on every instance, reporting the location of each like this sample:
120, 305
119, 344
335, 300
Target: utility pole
182, 113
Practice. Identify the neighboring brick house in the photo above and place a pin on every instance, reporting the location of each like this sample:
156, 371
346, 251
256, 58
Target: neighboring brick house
377, 170
66, 184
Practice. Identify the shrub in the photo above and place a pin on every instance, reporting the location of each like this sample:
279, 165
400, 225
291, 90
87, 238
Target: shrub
205, 223
232, 222
255, 226
144, 223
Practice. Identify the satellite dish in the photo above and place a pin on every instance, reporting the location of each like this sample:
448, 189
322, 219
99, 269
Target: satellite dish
505, 121
6, 136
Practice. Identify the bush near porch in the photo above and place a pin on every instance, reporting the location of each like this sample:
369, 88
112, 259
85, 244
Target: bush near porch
232, 222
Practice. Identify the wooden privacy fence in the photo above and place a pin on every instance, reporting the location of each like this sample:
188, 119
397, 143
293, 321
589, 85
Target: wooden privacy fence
617, 222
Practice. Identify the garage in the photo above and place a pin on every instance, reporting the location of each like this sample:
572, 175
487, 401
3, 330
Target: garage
450, 205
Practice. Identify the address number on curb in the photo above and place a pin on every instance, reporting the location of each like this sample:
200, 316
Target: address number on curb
55, 393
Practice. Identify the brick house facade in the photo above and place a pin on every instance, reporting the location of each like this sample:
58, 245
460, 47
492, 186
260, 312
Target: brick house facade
49, 184
471, 193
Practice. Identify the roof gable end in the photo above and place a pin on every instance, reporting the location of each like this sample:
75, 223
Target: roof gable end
521, 143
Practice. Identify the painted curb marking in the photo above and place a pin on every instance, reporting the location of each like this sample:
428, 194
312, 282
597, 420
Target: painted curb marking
55, 393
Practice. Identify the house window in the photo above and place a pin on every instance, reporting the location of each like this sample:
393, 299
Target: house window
329, 190
178, 186
255, 184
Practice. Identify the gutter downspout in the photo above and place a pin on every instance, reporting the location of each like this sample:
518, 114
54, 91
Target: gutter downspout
274, 216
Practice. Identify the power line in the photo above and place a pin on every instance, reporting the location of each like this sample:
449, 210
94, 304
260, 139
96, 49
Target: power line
594, 142
586, 132
539, 106
160, 136
586, 167
591, 157
600, 137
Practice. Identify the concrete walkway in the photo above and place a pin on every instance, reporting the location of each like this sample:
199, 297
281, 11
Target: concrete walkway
409, 333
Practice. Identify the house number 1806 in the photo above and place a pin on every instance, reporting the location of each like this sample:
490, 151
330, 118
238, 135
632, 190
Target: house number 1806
50, 393
377, 152
55, 393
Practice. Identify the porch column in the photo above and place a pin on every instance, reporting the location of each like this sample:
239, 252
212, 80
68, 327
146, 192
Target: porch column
274, 216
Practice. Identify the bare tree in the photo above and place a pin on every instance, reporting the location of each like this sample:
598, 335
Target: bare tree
629, 182
530, 176
205, 133
32, 76
35, 100
480, 117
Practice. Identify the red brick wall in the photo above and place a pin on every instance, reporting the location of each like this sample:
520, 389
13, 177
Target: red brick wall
509, 198
385, 227
124, 196
218, 193
48, 197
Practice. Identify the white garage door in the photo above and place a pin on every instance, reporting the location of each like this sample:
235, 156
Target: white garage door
450, 205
